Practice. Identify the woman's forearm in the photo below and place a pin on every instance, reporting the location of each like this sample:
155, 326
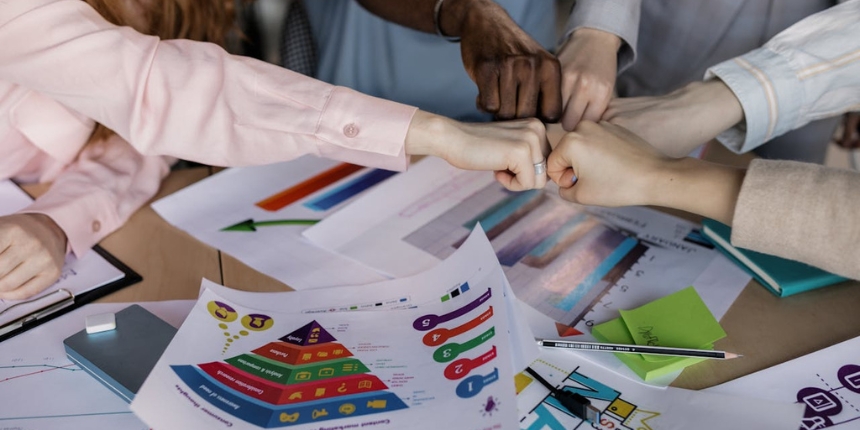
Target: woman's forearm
698, 187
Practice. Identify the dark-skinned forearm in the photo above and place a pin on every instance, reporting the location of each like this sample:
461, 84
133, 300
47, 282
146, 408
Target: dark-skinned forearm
418, 14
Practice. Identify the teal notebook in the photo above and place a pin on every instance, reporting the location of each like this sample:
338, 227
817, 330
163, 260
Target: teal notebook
781, 276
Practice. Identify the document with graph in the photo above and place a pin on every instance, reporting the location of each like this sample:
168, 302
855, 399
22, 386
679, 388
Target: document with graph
574, 266
257, 215
237, 364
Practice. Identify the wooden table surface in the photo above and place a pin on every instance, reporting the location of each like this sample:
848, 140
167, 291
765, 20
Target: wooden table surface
766, 329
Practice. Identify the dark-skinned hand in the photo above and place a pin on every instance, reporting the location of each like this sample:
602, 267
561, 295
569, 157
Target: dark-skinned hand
516, 77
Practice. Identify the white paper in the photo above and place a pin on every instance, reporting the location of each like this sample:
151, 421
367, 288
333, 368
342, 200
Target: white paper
826, 384
40, 389
78, 276
570, 264
205, 208
430, 359
627, 405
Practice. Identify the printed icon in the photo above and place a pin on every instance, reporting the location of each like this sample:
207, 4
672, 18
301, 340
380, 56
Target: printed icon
492, 405
346, 409
349, 367
319, 413
221, 311
365, 384
320, 392
289, 418
819, 402
314, 336
337, 352
303, 376
849, 375
377, 404
307, 356
853, 380
326, 371
257, 322
814, 423
296, 395
342, 388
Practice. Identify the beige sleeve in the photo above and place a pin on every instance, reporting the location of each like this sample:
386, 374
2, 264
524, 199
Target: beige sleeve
801, 211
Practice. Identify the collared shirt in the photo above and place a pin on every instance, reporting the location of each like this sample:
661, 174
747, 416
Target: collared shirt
800, 211
189, 99
808, 72
62, 63
96, 187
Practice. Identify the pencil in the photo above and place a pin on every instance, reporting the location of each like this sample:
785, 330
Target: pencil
637, 349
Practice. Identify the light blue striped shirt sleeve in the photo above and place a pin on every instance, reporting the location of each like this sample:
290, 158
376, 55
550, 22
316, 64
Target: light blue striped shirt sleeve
809, 71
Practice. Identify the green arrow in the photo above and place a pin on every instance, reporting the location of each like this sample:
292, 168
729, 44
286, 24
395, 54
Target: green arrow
251, 225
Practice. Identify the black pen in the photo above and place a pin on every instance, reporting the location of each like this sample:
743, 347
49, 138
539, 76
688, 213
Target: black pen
575, 403
637, 349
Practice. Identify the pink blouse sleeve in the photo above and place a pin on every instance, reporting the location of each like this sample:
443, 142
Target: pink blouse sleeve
188, 99
98, 192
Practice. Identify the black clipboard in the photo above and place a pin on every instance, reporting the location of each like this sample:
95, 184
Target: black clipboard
67, 304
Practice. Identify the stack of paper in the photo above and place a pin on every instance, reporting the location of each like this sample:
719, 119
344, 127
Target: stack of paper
403, 353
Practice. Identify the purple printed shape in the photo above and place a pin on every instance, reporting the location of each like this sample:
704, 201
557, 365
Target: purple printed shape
311, 333
429, 322
819, 402
490, 406
849, 376
815, 423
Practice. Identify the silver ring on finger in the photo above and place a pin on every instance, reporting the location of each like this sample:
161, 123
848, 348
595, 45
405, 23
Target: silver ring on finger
540, 168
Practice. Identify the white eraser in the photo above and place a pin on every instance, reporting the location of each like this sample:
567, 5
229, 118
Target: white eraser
100, 322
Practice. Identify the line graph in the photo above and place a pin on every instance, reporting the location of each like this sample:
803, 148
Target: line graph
49, 391
71, 367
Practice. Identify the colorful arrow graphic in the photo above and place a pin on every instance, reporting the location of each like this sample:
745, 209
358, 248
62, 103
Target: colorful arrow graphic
251, 225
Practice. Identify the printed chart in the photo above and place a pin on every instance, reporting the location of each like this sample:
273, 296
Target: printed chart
233, 366
40, 389
627, 405
257, 214
56, 404
538, 237
305, 376
826, 383
574, 266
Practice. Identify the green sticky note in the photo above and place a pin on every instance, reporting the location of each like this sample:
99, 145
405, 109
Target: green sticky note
679, 320
615, 331
680, 317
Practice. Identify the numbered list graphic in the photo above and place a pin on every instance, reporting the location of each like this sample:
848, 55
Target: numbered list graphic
548, 413
303, 377
558, 258
464, 345
834, 403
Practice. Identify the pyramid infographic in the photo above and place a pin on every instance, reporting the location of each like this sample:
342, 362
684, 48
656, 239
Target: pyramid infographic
303, 377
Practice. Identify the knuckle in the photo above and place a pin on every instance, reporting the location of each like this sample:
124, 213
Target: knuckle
535, 126
487, 69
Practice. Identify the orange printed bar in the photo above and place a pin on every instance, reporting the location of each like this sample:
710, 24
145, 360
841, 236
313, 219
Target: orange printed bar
278, 394
296, 354
441, 335
307, 187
